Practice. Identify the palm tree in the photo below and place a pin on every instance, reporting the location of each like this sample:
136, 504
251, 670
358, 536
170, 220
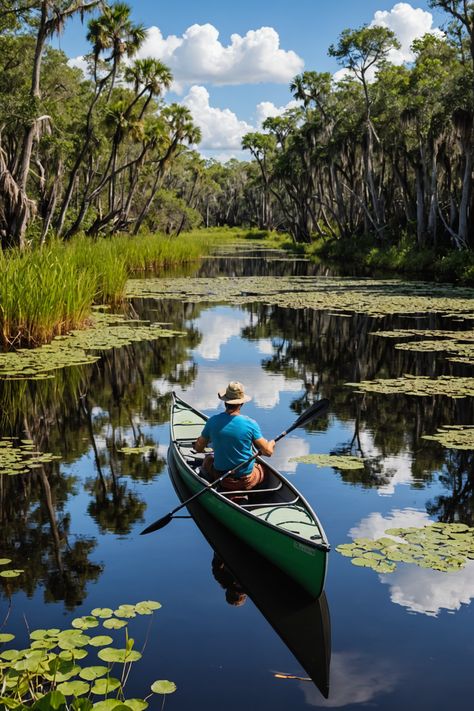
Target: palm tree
180, 129
114, 32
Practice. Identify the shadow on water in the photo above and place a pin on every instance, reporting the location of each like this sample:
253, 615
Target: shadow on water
301, 622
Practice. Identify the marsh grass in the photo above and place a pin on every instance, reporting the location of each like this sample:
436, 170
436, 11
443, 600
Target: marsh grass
50, 291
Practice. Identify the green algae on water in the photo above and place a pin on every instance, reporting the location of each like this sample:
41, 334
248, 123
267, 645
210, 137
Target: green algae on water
81, 347
419, 385
21, 459
444, 547
376, 298
454, 436
331, 460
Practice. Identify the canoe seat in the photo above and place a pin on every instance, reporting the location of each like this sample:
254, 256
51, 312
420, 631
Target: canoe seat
255, 490
289, 502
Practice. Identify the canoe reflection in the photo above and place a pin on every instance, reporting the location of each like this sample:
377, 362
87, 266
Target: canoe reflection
300, 621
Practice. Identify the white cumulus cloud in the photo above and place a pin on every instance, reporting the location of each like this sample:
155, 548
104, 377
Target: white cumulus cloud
267, 109
408, 23
221, 128
198, 56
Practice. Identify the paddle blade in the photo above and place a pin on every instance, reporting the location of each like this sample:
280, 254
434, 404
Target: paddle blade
161, 523
319, 408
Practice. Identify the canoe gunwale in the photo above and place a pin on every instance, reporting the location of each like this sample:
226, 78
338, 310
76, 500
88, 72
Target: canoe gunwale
322, 545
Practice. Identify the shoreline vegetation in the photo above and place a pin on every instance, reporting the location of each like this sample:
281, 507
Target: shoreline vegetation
51, 291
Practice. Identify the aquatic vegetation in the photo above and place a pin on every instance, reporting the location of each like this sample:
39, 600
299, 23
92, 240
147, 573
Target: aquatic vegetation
454, 436
439, 546
376, 298
331, 460
21, 459
48, 292
136, 450
46, 675
8, 573
419, 385
458, 345
107, 331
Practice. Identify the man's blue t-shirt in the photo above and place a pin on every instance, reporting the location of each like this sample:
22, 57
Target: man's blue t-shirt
232, 437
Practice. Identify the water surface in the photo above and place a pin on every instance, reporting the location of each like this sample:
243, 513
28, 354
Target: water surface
400, 640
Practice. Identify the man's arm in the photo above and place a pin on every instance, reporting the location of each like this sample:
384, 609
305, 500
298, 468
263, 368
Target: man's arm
200, 444
265, 446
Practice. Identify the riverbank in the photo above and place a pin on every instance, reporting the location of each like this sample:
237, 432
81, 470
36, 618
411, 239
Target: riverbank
405, 259
50, 291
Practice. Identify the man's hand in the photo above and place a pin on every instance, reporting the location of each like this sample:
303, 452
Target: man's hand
265, 446
200, 444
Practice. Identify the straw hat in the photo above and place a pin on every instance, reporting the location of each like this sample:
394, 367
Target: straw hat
234, 394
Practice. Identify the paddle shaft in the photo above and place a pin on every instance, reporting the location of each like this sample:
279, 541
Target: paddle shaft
316, 409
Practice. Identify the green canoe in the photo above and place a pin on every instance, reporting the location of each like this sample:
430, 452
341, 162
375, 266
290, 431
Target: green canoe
276, 521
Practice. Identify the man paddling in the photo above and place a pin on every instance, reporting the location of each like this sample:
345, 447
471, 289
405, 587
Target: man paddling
232, 435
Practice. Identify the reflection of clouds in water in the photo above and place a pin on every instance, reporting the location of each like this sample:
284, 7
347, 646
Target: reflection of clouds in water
395, 469
265, 347
356, 678
430, 591
263, 388
375, 524
293, 447
217, 328
418, 589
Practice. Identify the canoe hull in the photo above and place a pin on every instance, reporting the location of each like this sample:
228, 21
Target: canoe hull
301, 559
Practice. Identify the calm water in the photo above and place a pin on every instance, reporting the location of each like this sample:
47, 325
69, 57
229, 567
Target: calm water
395, 641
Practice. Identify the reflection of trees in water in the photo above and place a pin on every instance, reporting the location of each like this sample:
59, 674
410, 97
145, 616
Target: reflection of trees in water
98, 408
233, 266
35, 534
325, 351
458, 478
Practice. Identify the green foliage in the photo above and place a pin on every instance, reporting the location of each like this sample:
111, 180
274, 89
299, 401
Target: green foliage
47, 677
49, 292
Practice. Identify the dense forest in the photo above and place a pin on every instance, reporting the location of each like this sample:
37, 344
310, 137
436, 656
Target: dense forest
386, 151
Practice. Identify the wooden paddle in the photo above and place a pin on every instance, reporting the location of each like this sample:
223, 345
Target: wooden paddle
316, 410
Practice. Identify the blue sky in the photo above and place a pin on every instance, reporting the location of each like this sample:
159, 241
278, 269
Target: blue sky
231, 73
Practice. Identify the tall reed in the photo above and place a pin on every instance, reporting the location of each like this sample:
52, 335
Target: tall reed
49, 291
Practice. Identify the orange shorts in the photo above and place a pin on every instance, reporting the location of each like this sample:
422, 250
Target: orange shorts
231, 483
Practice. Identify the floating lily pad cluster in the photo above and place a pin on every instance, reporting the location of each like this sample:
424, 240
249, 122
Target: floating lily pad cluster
79, 347
331, 460
7, 573
438, 546
377, 298
21, 459
137, 450
418, 385
49, 667
454, 436
457, 345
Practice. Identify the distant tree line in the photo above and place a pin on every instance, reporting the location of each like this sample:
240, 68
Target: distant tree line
387, 150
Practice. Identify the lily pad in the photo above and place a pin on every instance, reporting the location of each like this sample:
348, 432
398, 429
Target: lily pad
93, 673
109, 654
331, 460
114, 624
440, 546
162, 686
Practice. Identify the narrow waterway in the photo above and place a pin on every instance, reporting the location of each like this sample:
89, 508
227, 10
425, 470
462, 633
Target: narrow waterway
394, 640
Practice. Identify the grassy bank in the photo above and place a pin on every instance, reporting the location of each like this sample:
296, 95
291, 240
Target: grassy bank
360, 255
48, 292
406, 258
